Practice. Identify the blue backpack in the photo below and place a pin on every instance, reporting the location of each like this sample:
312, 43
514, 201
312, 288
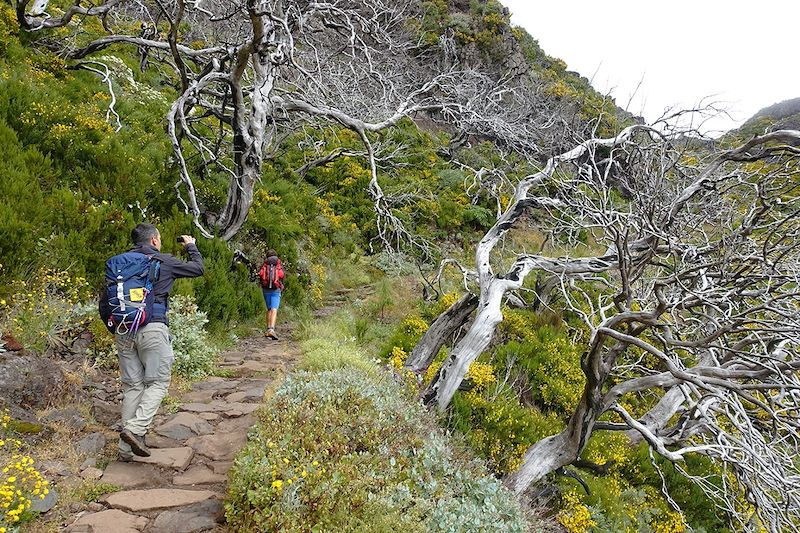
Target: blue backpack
127, 303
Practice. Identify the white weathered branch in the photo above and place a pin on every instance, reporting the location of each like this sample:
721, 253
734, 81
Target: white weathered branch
105, 73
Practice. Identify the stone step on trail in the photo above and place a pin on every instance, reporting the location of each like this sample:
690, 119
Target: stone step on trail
177, 458
198, 475
216, 383
211, 407
179, 489
143, 500
235, 356
256, 394
131, 475
183, 425
256, 367
221, 467
201, 516
244, 408
108, 521
218, 406
200, 396
154, 440
218, 446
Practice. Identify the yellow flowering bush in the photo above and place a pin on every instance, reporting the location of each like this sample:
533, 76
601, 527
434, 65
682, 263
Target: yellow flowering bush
444, 304
515, 324
263, 196
45, 307
693, 503
61, 130
669, 522
319, 276
406, 335
498, 428
414, 325
397, 357
433, 368
609, 448
551, 363
9, 28
575, 516
327, 213
481, 375
20, 482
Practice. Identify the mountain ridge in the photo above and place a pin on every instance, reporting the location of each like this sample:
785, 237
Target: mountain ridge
781, 115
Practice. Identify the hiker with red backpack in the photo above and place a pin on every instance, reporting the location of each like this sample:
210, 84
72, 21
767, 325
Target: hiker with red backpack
271, 278
134, 308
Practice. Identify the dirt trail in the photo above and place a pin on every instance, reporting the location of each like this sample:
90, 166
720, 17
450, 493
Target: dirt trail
180, 488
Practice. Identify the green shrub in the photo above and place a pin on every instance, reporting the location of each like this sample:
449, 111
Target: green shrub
479, 216
407, 334
71, 186
194, 355
345, 451
689, 496
45, 311
551, 363
225, 294
329, 344
498, 428
102, 352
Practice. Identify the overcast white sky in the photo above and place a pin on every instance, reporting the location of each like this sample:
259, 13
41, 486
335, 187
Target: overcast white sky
742, 53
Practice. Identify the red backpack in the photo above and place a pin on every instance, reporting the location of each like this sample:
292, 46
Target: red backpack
271, 273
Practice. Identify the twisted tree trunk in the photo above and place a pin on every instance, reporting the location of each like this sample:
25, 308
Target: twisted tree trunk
556, 451
441, 329
476, 340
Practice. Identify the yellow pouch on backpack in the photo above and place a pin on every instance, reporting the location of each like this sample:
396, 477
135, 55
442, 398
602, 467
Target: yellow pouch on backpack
137, 295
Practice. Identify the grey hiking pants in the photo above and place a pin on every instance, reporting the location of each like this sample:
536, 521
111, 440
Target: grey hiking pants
145, 370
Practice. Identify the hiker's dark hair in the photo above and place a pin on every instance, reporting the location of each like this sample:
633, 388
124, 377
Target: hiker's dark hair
142, 234
272, 253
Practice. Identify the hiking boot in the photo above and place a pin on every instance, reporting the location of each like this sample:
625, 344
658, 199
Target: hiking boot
271, 334
136, 442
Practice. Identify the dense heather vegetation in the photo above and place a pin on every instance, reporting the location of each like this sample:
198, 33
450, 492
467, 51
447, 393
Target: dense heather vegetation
346, 450
74, 181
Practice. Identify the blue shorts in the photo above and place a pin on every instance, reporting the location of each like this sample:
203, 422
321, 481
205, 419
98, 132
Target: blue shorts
272, 297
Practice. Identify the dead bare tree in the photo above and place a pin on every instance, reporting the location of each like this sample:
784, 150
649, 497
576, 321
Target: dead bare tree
699, 272
259, 64
250, 71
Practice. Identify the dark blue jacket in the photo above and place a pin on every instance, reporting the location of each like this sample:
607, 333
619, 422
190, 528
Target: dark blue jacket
172, 268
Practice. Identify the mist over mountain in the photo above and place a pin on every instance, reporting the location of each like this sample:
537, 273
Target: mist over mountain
782, 115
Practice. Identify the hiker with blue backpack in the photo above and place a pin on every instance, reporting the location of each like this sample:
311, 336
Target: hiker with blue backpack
271, 278
134, 308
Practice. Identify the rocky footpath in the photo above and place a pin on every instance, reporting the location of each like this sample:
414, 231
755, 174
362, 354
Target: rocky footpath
181, 486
